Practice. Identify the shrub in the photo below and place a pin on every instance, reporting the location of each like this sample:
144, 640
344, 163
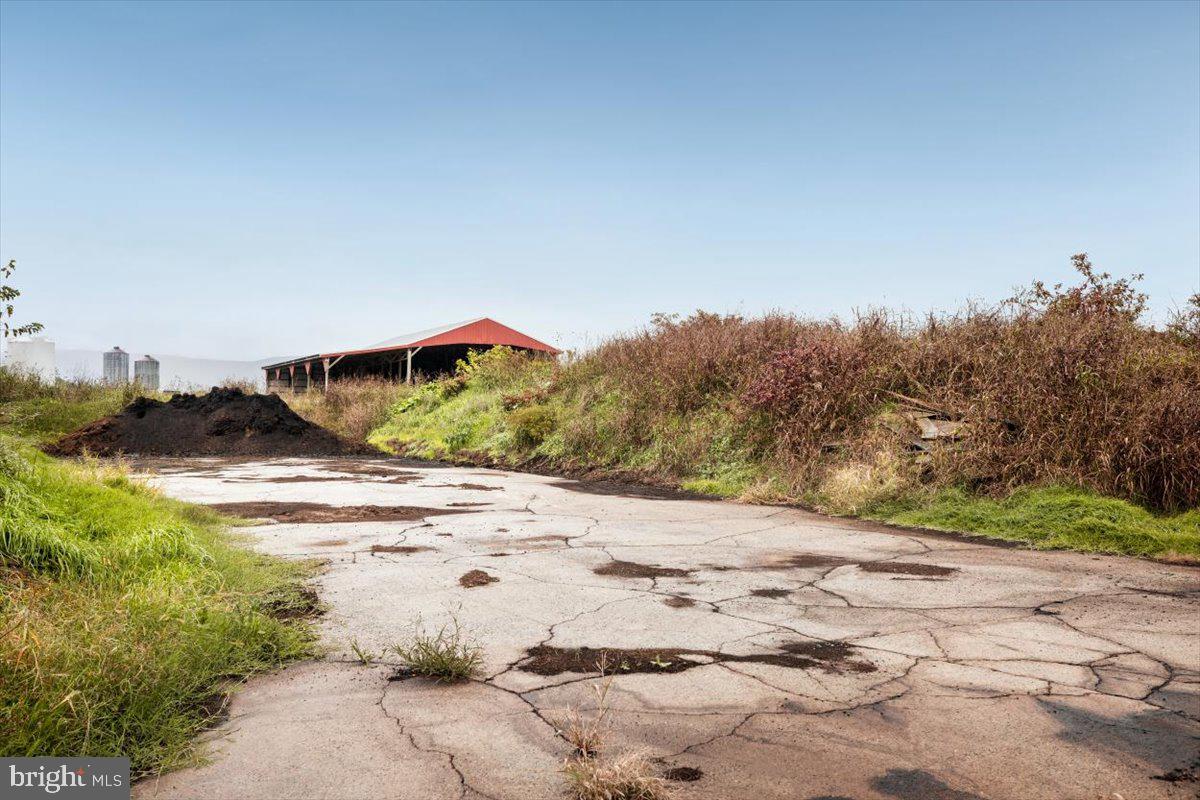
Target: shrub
530, 426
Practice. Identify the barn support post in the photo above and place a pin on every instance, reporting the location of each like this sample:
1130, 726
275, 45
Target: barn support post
307, 376
292, 378
328, 366
408, 376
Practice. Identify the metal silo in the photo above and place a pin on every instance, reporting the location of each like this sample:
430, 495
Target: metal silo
116, 366
145, 373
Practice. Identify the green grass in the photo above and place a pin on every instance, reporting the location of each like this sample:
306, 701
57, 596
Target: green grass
42, 411
1055, 517
125, 613
446, 656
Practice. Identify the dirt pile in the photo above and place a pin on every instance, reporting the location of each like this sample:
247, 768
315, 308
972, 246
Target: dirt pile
224, 422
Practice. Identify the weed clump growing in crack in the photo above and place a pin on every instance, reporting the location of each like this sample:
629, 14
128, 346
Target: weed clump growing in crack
626, 777
446, 656
586, 734
591, 775
363, 655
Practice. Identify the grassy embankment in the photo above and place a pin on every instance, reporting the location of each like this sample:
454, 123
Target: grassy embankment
1080, 426
123, 614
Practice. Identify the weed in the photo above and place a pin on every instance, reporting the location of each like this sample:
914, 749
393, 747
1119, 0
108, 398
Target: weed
363, 655
591, 775
629, 776
447, 656
587, 734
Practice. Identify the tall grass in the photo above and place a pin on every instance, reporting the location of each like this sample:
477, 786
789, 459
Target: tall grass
352, 407
124, 613
44, 410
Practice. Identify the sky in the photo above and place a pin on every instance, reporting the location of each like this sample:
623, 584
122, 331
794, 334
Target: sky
251, 180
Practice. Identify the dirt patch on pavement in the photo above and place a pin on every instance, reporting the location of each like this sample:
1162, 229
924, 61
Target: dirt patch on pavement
328, 543
402, 478
621, 489
833, 657
474, 487
368, 470
222, 422
774, 594
807, 561
320, 512
901, 568
632, 569
467, 505
398, 548
301, 605
476, 578
675, 601
683, 774
292, 479
548, 660
1186, 774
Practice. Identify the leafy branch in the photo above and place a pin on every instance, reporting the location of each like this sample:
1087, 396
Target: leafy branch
7, 295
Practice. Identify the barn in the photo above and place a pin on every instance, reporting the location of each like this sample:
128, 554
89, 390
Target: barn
429, 352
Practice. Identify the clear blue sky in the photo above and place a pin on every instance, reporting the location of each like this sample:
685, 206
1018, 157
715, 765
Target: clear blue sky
241, 180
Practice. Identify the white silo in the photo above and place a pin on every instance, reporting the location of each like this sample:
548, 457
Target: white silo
34, 356
116, 366
145, 373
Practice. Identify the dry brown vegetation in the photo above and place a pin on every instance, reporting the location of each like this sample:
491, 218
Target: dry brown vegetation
352, 407
591, 773
1056, 385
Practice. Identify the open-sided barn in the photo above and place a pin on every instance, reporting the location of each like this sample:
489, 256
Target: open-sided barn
430, 352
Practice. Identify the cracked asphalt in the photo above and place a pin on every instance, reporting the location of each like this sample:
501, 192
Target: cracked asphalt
973, 671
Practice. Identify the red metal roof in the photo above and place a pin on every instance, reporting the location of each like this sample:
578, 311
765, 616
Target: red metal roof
481, 331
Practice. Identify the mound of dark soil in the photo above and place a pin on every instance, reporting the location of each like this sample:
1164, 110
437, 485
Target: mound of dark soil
224, 422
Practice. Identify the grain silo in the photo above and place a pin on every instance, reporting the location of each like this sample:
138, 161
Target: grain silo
145, 373
116, 366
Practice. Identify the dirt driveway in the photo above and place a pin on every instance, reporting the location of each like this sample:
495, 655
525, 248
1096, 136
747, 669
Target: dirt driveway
806, 657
